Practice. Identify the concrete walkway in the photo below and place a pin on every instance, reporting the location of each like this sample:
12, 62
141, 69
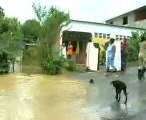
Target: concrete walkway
101, 95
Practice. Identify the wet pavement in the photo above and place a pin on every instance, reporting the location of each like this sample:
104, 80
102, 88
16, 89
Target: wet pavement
70, 97
101, 96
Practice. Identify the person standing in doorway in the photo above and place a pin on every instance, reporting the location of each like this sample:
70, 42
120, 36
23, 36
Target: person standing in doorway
111, 49
124, 54
69, 50
63, 50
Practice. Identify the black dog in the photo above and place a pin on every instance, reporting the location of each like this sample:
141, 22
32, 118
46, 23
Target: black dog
141, 71
91, 81
119, 86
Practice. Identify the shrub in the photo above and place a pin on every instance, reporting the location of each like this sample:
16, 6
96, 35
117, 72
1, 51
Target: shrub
134, 47
30, 56
71, 66
4, 67
133, 50
54, 65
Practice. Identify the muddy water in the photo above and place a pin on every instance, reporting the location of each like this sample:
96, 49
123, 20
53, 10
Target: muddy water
44, 97
41, 97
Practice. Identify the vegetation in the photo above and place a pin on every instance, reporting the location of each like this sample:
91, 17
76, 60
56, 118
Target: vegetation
30, 30
51, 21
10, 39
71, 66
134, 45
54, 65
45, 33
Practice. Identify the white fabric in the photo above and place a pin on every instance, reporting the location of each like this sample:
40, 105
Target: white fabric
92, 57
63, 51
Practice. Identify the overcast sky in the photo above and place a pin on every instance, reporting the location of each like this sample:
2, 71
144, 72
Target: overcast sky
88, 10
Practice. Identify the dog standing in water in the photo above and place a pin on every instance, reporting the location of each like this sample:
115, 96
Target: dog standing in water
141, 71
119, 86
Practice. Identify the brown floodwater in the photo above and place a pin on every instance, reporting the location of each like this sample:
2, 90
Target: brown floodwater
42, 97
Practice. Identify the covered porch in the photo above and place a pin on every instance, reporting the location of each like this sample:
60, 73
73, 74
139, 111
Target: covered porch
79, 41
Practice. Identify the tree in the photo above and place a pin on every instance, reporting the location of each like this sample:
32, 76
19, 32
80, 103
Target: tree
134, 47
142, 36
40, 12
10, 39
30, 29
2, 14
52, 21
9, 29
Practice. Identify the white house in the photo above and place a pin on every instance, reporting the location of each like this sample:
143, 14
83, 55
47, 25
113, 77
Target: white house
87, 31
102, 28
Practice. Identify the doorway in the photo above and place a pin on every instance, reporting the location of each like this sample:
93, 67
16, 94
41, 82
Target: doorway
79, 41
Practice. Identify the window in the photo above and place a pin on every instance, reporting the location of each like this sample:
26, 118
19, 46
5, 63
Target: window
95, 34
121, 37
128, 37
125, 20
100, 35
117, 37
108, 36
104, 35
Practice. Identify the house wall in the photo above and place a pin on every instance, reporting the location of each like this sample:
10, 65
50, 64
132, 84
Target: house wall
119, 20
140, 24
131, 21
100, 28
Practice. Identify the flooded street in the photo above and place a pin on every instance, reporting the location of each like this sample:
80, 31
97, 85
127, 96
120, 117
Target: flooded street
70, 97
39, 97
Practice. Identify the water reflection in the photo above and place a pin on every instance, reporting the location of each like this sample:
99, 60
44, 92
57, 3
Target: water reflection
119, 110
41, 97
